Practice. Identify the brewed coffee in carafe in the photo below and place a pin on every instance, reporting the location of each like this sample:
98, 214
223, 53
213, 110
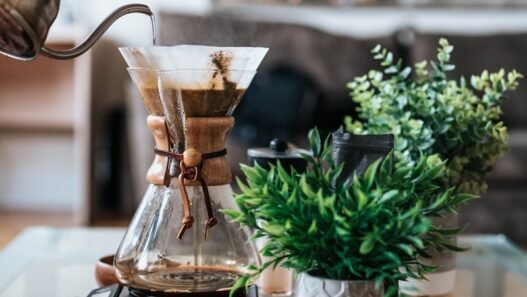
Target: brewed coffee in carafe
179, 242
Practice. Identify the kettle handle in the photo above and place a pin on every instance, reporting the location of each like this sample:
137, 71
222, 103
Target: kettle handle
98, 32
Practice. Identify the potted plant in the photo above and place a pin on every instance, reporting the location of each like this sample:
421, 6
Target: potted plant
346, 237
428, 113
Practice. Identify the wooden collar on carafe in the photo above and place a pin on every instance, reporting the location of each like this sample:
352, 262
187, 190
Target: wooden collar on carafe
202, 164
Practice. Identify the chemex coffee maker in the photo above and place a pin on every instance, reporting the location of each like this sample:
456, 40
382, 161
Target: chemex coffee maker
179, 243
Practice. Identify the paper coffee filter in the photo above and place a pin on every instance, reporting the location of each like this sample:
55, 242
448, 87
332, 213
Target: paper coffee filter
203, 56
192, 57
154, 57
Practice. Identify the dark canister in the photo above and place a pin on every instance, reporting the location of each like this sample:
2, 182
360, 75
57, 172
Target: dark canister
281, 151
359, 151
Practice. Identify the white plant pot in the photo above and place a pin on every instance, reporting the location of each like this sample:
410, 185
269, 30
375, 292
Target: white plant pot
311, 286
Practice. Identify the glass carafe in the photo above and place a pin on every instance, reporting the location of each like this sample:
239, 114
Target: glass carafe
179, 242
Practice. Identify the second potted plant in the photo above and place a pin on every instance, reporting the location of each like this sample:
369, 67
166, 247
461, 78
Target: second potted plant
459, 120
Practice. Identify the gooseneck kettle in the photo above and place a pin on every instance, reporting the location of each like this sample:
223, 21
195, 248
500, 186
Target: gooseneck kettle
24, 26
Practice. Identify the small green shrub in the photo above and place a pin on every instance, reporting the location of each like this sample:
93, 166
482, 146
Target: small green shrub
430, 114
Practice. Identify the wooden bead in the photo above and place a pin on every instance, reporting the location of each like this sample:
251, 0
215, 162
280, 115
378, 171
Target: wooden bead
191, 157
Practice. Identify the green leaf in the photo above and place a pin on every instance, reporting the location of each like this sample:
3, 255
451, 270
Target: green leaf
371, 172
292, 199
405, 72
463, 198
243, 187
273, 229
417, 242
232, 214
313, 228
251, 173
431, 174
367, 246
406, 249
389, 196
242, 282
362, 199
455, 248
315, 142
388, 60
284, 176
306, 188
342, 232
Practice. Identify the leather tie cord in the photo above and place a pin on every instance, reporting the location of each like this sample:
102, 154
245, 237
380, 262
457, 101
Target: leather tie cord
193, 174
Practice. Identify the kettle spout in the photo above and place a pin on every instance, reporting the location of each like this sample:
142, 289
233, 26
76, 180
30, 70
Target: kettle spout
99, 31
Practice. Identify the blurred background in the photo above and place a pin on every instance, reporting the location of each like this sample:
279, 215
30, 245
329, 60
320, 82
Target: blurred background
74, 147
